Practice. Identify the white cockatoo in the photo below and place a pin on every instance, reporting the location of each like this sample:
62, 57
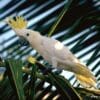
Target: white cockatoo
53, 51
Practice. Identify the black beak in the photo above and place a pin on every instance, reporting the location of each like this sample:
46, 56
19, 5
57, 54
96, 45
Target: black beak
22, 41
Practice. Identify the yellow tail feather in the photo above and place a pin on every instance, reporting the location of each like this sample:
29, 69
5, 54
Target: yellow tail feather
85, 81
85, 76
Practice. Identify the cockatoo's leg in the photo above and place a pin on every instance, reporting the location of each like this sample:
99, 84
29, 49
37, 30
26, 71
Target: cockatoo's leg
54, 62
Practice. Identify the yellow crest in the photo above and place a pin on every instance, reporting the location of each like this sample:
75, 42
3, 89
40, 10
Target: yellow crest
17, 23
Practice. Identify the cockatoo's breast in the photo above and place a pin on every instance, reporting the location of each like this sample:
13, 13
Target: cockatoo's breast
51, 48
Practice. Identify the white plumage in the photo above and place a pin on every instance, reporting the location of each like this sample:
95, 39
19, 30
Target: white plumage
57, 55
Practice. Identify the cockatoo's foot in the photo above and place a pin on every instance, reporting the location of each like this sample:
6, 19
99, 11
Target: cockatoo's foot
47, 70
57, 71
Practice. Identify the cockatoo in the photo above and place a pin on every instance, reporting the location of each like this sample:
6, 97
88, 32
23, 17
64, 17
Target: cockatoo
53, 51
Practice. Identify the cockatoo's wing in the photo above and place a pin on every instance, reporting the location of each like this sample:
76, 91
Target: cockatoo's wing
56, 49
68, 61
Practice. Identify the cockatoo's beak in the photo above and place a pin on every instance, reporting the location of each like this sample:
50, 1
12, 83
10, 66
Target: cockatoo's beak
23, 42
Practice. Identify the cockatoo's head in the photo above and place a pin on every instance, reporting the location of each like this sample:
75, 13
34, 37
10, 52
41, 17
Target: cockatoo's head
19, 25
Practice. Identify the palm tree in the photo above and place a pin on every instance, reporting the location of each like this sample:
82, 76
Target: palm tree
73, 22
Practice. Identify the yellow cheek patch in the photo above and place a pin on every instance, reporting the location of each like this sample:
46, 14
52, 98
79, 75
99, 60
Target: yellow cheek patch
58, 46
18, 23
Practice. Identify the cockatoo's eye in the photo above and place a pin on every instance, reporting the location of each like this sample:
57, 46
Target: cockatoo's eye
27, 34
